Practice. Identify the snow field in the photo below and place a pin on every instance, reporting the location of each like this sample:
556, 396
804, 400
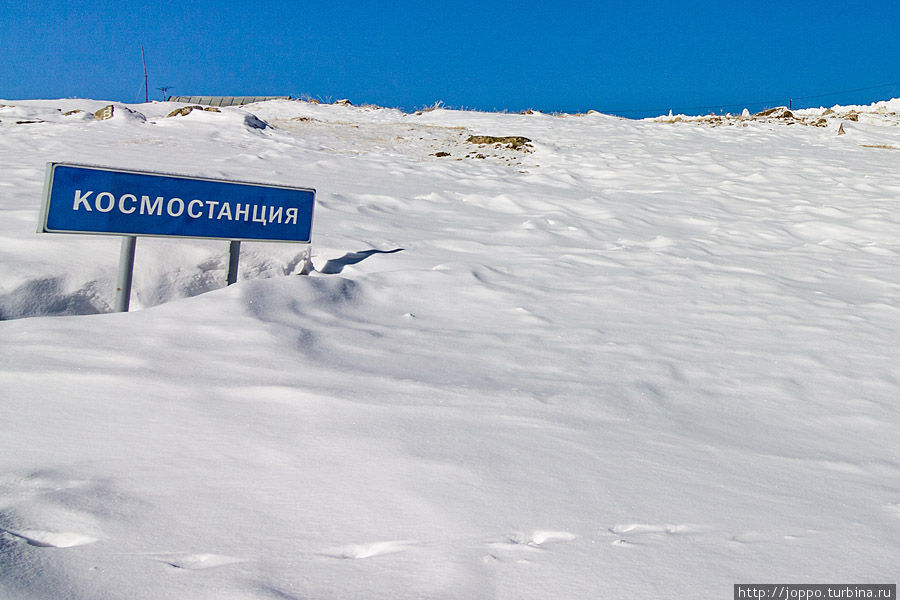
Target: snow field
644, 359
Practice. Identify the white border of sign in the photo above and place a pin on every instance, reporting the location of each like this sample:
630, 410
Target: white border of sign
48, 186
126, 255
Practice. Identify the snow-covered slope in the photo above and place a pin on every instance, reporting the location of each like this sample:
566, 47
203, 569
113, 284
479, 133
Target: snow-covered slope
630, 359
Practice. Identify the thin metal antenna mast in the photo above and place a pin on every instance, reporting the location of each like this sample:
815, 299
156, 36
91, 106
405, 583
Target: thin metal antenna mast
144, 62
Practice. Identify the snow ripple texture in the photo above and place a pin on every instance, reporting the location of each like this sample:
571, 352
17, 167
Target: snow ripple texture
635, 358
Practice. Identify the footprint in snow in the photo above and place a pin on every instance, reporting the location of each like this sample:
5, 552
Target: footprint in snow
196, 562
50, 509
641, 528
519, 542
50, 539
757, 537
627, 533
369, 550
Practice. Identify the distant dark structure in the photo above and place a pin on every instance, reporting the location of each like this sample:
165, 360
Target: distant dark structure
224, 100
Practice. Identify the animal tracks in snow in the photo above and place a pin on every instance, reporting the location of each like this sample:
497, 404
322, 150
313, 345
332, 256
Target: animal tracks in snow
369, 550
641, 528
535, 540
758, 537
510, 545
196, 562
50, 539
634, 534
514, 544
49, 509
642, 534
525, 547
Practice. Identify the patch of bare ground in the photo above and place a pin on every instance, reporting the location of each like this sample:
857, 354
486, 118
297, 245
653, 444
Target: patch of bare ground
186, 110
782, 115
511, 142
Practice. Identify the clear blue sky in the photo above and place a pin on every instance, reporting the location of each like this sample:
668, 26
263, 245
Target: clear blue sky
567, 56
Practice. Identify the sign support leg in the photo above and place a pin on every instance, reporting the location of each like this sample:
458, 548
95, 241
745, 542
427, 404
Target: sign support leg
126, 271
306, 266
234, 256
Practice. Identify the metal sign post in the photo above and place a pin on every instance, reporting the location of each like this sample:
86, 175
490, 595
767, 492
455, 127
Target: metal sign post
126, 270
100, 200
234, 255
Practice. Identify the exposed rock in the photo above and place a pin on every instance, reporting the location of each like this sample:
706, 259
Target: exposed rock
250, 120
186, 110
781, 115
439, 154
110, 110
73, 112
105, 113
779, 112
769, 112
841, 130
343, 102
513, 142
254, 122
181, 112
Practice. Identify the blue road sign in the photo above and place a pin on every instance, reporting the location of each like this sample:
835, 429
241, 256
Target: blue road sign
87, 199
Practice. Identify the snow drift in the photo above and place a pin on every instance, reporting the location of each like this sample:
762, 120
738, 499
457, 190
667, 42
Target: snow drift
639, 359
